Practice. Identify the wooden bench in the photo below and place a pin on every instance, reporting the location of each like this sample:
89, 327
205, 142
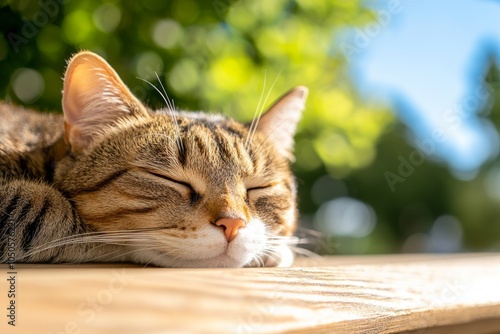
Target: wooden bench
369, 294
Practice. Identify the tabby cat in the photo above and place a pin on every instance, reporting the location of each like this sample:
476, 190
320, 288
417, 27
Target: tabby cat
114, 181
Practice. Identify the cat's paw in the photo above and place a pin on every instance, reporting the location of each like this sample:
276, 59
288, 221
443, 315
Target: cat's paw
281, 256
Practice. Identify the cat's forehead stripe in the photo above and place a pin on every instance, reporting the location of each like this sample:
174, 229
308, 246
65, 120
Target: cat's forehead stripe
201, 146
232, 130
222, 145
181, 151
215, 139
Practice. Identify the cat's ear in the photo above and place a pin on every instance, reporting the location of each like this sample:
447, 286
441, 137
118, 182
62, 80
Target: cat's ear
279, 123
94, 97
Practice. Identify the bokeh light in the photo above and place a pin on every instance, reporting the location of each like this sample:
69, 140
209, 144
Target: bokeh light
78, 26
167, 33
148, 65
492, 183
446, 235
107, 17
28, 84
346, 217
184, 76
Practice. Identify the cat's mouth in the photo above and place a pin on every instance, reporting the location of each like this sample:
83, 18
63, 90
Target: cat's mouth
208, 248
234, 254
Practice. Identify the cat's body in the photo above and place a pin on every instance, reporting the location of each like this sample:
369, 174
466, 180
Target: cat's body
115, 181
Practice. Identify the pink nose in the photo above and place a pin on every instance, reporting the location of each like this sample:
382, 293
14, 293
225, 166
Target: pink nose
231, 226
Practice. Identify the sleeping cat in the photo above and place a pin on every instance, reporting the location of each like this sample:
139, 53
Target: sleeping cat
113, 181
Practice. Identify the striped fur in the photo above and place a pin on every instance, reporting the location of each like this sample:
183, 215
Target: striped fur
115, 181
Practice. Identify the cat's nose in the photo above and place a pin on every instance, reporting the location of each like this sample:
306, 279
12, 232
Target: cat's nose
231, 227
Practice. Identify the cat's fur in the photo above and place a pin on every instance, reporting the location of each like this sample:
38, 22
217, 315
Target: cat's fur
112, 180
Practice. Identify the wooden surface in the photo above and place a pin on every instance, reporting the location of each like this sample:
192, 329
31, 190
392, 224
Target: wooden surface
380, 294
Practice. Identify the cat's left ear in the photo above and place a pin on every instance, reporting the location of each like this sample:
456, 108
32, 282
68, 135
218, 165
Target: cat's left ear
279, 123
94, 97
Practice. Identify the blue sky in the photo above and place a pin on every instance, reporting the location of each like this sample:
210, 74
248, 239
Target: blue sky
427, 58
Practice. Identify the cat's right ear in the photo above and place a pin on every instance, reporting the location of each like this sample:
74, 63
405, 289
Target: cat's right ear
94, 97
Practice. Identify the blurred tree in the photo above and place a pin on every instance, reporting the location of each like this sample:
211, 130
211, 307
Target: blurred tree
421, 207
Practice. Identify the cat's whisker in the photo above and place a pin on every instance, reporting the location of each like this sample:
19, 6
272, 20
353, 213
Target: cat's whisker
169, 106
156, 88
122, 254
308, 241
165, 95
111, 237
281, 237
293, 240
93, 249
257, 261
271, 254
260, 262
97, 233
254, 130
172, 100
282, 243
256, 110
311, 232
285, 240
154, 259
51, 245
304, 252
319, 240
96, 243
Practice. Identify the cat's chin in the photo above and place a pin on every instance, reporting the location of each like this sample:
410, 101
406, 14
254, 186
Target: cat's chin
220, 261
278, 256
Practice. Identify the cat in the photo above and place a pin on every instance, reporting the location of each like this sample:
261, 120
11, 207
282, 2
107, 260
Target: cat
112, 181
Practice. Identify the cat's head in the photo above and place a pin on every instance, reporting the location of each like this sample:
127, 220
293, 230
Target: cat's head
184, 189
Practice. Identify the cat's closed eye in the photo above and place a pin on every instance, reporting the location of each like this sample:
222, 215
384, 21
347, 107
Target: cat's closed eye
258, 189
171, 179
182, 185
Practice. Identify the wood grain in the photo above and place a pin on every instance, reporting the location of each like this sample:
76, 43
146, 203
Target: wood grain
383, 294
